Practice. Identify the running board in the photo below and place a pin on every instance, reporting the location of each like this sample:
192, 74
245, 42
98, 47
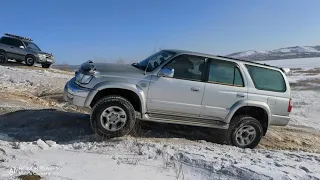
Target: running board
163, 118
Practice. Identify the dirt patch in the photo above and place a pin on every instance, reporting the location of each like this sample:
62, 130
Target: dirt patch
291, 138
31, 176
309, 71
306, 84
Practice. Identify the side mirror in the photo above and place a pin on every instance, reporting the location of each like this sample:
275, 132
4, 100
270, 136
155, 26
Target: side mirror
166, 72
22, 47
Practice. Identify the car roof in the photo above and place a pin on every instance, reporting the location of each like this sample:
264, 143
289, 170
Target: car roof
180, 51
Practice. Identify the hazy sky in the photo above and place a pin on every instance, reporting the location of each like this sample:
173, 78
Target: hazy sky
75, 31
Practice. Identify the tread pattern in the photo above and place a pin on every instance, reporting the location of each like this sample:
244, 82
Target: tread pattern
227, 136
27, 58
112, 99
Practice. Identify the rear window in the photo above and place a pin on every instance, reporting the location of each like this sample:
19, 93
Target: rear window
267, 79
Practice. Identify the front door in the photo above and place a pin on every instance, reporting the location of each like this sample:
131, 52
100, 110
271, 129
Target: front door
182, 94
225, 87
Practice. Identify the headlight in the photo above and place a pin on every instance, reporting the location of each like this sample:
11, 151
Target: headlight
42, 56
83, 79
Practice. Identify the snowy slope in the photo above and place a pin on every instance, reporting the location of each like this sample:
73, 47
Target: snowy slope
129, 158
69, 150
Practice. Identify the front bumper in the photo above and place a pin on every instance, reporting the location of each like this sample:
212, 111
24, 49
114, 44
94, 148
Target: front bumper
45, 60
75, 94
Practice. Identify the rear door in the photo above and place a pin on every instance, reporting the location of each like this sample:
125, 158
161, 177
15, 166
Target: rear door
225, 86
270, 87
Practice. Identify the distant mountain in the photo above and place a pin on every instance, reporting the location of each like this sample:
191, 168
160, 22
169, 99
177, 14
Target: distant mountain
282, 53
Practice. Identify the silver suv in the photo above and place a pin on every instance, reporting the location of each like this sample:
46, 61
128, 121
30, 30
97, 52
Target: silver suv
241, 98
23, 49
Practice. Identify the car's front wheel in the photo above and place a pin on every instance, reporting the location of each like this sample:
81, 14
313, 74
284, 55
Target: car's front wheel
244, 132
113, 116
30, 60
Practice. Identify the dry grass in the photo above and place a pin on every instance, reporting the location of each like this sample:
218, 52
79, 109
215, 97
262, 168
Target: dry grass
290, 138
306, 84
31, 176
309, 71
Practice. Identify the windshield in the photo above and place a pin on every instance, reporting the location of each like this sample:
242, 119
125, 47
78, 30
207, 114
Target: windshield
32, 45
154, 60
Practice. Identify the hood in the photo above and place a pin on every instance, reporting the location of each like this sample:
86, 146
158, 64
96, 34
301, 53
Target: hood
107, 68
41, 52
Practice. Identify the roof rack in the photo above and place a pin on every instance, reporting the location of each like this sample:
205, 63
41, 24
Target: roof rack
253, 62
246, 61
18, 37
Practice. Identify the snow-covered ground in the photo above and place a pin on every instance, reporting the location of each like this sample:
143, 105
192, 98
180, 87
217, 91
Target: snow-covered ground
61, 145
128, 158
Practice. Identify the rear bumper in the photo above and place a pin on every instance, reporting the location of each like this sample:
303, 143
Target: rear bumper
277, 120
74, 94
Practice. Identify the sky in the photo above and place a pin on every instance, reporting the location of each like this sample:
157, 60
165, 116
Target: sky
76, 31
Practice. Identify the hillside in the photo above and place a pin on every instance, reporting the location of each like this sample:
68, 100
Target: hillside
281, 53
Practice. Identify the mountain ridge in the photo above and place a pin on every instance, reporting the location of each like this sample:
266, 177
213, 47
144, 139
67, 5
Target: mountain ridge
280, 53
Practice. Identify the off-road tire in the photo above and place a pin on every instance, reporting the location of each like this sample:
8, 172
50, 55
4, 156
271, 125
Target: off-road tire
28, 60
229, 135
3, 57
104, 103
45, 65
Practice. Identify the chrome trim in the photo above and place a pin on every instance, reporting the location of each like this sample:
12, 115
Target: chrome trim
185, 121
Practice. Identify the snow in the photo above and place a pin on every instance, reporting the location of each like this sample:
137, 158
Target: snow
62, 145
296, 49
306, 63
18, 79
306, 109
129, 158
277, 52
248, 53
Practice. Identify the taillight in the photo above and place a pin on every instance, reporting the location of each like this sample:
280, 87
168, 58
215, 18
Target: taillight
290, 105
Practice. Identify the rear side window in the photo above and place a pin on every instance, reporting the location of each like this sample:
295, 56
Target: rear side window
267, 79
11, 41
225, 72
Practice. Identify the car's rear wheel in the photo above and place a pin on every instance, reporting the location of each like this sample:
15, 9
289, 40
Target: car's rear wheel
113, 116
244, 132
3, 58
45, 65
30, 60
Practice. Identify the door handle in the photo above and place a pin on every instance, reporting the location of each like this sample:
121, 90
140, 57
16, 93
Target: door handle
240, 95
195, 89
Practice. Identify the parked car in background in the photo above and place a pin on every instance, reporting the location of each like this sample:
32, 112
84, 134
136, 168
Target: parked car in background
23, 49
241, 98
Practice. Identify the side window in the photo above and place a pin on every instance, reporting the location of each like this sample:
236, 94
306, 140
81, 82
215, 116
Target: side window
6, 41
225, 72
187, 67
11, 41
267, 79
16, 42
